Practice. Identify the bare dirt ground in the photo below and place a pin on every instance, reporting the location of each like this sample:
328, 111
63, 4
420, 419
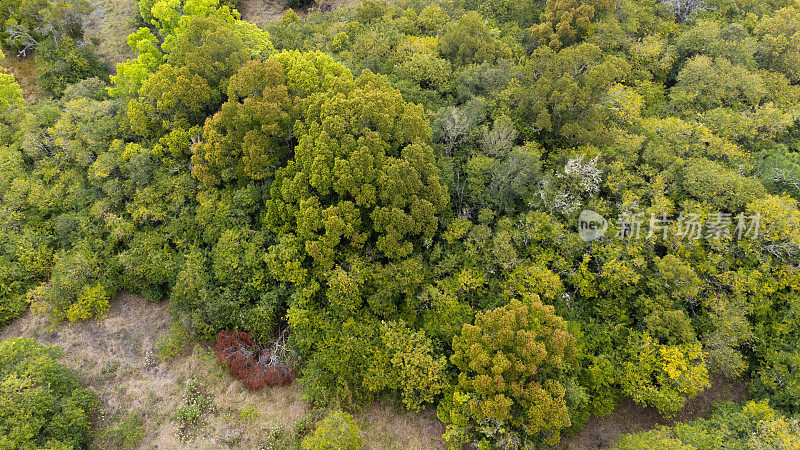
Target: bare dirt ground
115, 357
603, 432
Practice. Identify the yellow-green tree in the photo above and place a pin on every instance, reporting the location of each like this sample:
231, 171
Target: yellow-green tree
406, 362
509, 389
558, 95
780, 41
565, 22
251, 134
663, 376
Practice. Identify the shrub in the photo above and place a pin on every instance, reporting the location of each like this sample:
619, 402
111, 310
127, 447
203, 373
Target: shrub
254, 364
278, 438
171, 343
41, 402
11, 307
128, 432
191, 415
91, 302
66, 62
76, 289
338, 431
305, 425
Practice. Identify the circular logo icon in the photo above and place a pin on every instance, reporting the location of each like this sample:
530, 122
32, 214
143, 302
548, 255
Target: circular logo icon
591, 225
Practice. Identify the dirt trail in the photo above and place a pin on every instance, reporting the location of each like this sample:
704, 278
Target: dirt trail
603, 432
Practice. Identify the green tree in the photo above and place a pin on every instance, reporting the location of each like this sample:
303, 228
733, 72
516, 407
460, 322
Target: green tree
150, 264
363, 173
340, 352
778, 234
131, 74
10, 92
63, 62
558, 96
11, 101
779, 49
511, 363
251, 135
663, 376
76, 289
406, 362
28, 23
471, 40
198, 60
739, 104
86, 129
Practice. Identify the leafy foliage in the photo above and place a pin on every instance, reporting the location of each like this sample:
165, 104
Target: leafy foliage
41, 402
362, 173
565, 22
407, 363
753, 425
393, 189
65, 62
509, 388
664, 376
337, 430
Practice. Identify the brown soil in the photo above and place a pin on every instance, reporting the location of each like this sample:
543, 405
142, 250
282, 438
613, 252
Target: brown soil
603, 432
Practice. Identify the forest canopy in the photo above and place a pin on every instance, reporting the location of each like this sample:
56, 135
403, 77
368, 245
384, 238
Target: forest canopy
404, 190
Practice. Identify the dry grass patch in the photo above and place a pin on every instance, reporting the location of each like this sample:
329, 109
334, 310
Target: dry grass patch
109, 26
117, 357
387, 428
259, 12
24, 71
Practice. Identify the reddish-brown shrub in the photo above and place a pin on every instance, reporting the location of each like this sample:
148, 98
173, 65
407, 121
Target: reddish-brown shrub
251, 362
